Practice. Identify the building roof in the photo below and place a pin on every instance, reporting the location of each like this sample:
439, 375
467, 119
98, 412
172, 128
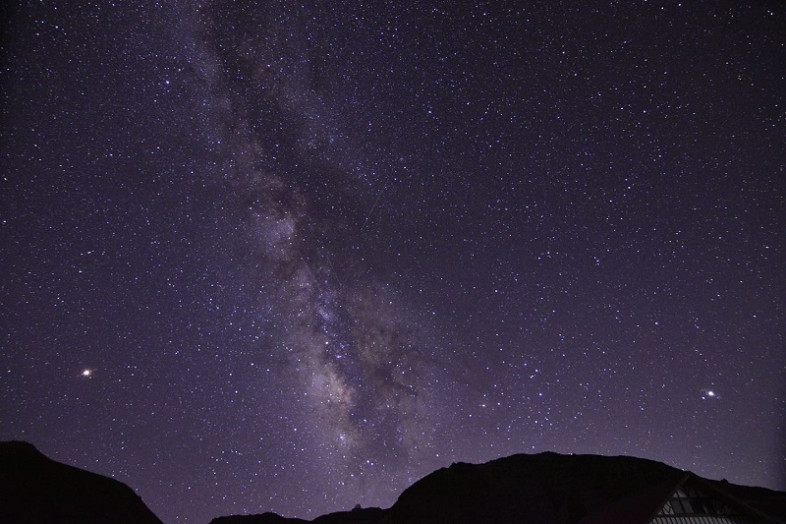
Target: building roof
650, 505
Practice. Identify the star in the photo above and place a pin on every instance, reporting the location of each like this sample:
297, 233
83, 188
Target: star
709, 394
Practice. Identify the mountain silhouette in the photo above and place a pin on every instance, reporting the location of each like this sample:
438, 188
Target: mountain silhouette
543, 488
549, 488
36, 489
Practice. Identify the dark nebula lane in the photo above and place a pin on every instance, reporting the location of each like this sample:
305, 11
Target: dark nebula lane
291, 257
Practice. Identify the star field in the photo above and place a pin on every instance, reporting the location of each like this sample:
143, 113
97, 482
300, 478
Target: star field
291, 257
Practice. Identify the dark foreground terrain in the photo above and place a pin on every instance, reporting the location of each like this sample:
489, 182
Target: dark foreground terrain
35, 489
548, 488
543, 488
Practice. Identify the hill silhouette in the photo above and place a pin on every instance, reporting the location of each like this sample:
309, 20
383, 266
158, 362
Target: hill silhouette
542, 488
546, 488
36, 489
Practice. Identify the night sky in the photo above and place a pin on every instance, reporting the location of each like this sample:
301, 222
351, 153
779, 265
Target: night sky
292, 256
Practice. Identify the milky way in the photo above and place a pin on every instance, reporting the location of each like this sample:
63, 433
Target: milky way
363, 365
291, 257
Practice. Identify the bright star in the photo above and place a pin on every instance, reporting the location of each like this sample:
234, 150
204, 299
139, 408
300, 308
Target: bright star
708, 393
87, 372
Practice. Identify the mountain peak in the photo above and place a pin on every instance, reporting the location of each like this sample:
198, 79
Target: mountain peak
35, 488
542, 488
